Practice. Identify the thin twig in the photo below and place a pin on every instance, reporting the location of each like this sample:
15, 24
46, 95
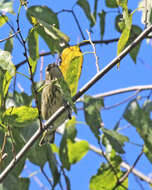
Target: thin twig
87, 86
114, 105
30, 69
122, 179
11, 36
94, 52
12, 28
75, 18
121, 102
23, 62
121, 91
47, 178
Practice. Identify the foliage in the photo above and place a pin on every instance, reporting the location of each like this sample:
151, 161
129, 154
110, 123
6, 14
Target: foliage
20, 113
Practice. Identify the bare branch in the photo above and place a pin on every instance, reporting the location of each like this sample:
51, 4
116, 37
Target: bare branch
131, 168
75, 18
11, 36
83, 43
94, 52
80, 92
121, 91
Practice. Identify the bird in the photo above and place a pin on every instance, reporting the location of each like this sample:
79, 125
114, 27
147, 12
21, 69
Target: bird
52, 99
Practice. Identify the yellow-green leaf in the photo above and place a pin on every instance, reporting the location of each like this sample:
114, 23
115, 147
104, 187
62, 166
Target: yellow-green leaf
125, 33
71, 66
105, 178
76, 151
20, 116
33, 64
3, 20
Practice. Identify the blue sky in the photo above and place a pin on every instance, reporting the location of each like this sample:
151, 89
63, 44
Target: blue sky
129, 74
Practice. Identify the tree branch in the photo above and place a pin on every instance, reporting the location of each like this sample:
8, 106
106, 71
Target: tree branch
121, 91
11, 36
83, 43
63, 108
123, 164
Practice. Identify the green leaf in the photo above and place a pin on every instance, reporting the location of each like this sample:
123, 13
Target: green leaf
71, 66
19, 99
6, 62
148, 154
125, 33
111, 3
77, 150
5, 79
11, 182
69, 133
33, 64
53, 166
6, 6
122, 3
38, 155
71, 130
18, 144
116, 139
33, 44
105, 179
54, 148
102, 23
42, 13
95, 9
54, 38
3, 20
66, 93
135, 31
46, 24
63, 151
20, 116
9, 45
147, 106
92, 108
86, 8
140, 119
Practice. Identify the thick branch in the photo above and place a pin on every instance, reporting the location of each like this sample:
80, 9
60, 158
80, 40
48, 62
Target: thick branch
80, 92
